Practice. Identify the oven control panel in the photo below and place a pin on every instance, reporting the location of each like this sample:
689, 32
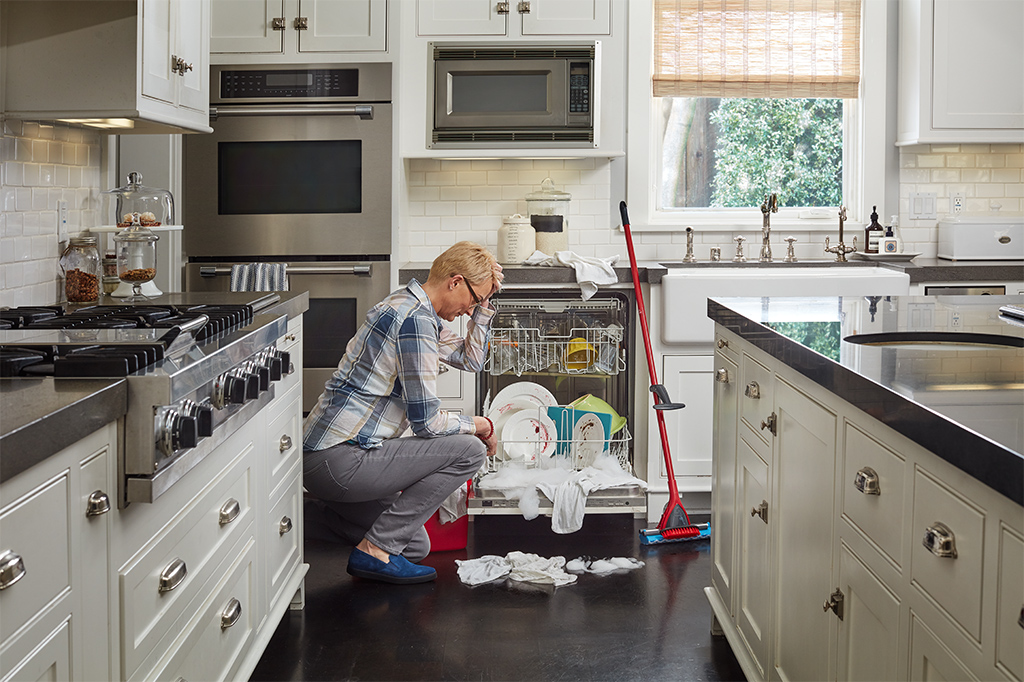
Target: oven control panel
288, 84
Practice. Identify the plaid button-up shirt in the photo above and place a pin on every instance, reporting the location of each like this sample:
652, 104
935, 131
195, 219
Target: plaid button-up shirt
387, 380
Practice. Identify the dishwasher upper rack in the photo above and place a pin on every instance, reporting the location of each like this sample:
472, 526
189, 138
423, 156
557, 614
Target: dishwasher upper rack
540, 336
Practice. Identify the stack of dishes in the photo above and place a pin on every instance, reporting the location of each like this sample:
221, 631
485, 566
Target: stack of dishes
519, 414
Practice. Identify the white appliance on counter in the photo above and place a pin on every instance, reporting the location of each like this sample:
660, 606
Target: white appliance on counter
684, 337
981, 238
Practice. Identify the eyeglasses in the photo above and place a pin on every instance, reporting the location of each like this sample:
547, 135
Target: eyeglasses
476, 299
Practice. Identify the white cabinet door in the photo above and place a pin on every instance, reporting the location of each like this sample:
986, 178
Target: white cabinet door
1010, 616
459, 18
804, 480
723, 488
869, 632
158, 81
344, 25
752, 578
567, 17
192, 45
238, 26
688, 379
176, 29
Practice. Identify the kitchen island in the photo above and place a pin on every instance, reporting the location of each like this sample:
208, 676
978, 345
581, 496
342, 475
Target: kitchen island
866, 512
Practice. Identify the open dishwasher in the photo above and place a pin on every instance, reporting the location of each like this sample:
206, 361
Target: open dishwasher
558, 384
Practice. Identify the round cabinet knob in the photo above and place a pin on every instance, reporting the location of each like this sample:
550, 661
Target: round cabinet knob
12, 569
285, 525
286, 443
723, 343
97, 503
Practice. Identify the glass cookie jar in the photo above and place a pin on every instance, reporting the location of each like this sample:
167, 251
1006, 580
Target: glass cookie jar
80, 264
136, 203
136, 258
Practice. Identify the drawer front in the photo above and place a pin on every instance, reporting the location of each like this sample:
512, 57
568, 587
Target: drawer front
292, 342
931, 659
50, 659
217, 639
284, 439
152, 597
283, 535
1010, 604
34, 528
873, 491
756, 388
953, 582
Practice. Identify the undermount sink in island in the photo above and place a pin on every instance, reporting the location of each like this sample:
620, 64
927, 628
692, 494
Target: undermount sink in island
868, 498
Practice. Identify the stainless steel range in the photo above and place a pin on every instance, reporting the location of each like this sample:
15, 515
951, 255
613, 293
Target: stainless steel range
196, 374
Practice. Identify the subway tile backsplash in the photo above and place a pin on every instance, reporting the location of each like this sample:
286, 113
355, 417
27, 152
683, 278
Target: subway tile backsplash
41, 164
449, 200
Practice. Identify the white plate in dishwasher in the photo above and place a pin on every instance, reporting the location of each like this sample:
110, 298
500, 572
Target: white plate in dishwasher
540, 396
588, 438
528, 436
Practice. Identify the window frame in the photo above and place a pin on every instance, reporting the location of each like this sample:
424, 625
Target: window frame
868, 139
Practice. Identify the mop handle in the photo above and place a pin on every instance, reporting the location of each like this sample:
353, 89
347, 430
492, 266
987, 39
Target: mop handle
662, 431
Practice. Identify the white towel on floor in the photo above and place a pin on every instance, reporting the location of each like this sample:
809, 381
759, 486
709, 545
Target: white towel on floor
518, 566
259, 277
603, 566
591, 272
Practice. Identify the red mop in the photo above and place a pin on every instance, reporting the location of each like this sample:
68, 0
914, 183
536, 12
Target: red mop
675, 523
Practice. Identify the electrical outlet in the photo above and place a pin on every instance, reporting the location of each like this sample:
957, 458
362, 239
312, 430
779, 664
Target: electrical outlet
958, 204
62, 215
955, 319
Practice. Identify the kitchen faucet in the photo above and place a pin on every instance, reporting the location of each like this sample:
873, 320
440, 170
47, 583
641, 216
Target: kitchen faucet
770, 205
841, 249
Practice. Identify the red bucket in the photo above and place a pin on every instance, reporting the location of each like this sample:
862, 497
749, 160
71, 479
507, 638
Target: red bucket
445, 537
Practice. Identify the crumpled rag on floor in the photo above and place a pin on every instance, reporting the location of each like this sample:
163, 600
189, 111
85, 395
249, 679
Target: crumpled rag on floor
519, 566
567, 489
603, 566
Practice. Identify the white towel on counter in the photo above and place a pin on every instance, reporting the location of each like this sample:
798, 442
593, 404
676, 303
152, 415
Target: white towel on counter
591, 272
259, 277
518, 566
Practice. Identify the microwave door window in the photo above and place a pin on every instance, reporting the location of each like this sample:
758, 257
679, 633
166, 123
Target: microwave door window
506, 93
290, 177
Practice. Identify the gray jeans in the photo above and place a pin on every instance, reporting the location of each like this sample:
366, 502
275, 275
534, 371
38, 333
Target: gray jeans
386, 494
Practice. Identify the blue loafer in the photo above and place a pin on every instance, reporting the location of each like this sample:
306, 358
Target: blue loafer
398, 570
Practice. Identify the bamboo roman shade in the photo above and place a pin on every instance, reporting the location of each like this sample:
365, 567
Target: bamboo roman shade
756, 48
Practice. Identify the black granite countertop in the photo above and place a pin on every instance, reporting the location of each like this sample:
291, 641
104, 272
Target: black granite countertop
41, 417
963, 402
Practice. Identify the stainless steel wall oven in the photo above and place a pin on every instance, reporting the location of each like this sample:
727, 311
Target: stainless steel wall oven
298, 170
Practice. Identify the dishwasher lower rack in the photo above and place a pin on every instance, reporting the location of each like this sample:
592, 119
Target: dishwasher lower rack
575, 453
557, 336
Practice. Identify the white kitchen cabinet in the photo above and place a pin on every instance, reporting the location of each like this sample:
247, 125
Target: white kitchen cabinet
48, 629
291, 28
513, 19
724, 489
690, 439
961, 74
146, 62
853, 510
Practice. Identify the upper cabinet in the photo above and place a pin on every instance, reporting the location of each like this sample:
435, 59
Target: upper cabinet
125, 65
517, 18
961, 73
291, 28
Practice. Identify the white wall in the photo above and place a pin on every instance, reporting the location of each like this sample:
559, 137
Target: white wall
41, 164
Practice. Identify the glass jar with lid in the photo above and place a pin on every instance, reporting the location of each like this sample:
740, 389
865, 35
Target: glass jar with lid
148, 206
549, 216
136, 257
80, 264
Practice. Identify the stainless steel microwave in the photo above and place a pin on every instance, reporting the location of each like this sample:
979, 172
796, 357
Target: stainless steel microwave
521, 95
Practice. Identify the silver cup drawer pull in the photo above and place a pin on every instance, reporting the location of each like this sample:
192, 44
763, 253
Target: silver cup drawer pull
752, 391
97, 504
285, 443
285, 525
229, 511
940, 541
12, 569
172, 576
231, 613
866, 481
722, 376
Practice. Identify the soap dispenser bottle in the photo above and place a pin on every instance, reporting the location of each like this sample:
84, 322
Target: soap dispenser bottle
891, 241
873, 233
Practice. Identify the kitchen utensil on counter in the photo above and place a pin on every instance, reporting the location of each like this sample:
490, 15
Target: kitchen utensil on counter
674, 525
517, 239
549, 215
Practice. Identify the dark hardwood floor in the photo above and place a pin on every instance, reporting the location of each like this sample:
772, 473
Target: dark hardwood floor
648, 624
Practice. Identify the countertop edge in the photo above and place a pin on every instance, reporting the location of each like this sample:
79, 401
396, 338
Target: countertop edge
992, 464
29, 444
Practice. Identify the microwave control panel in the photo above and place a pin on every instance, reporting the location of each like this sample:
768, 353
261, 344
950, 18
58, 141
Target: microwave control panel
579, 88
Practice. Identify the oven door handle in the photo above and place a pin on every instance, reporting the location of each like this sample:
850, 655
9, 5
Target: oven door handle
363, 111
360, 270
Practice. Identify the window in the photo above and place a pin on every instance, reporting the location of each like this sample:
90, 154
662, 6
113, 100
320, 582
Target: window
745, 98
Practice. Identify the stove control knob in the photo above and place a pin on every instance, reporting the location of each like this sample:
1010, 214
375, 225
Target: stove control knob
275, 365
286, 360
176, 432
228, 389
203, 414
262, 372
252, 384
186, 432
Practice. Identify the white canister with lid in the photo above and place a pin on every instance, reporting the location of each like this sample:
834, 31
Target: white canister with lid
549, 215
516, 239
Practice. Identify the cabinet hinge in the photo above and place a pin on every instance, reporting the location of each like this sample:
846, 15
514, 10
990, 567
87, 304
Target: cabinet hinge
770, 423
835, 603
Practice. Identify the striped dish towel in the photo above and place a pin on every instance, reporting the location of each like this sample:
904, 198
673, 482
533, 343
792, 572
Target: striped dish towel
259, 277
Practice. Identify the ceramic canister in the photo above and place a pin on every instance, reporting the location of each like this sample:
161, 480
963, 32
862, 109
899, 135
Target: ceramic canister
516, 239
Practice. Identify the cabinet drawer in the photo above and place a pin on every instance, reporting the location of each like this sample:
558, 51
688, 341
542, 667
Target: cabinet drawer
756, 388
200, 536
1010, 604
282, 534
292, 343
953, 582
50, 659
35, 528
217, 638
873, 491
930, 658
284, 438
